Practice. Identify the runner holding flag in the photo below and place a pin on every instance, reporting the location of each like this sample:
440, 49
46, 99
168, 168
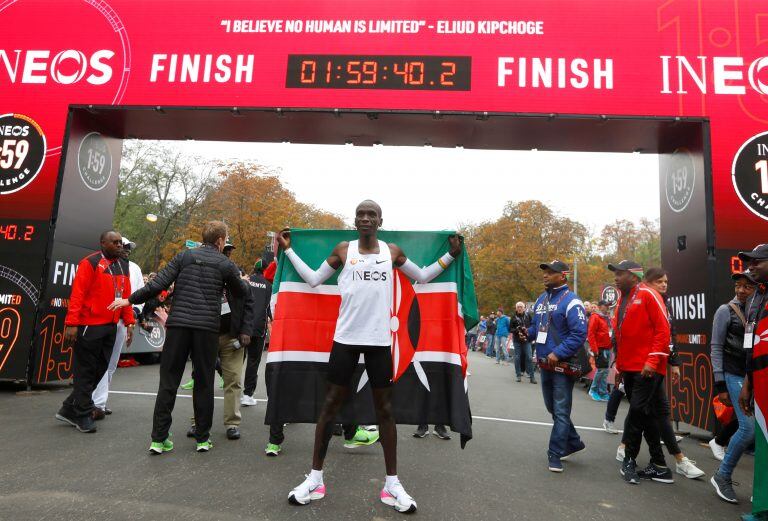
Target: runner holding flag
362, 328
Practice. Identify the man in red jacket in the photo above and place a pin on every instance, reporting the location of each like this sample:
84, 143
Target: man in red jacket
101, 277
600, 338
641, 332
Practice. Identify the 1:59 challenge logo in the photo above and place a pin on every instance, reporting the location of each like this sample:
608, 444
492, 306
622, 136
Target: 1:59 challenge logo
22, 152
750, 174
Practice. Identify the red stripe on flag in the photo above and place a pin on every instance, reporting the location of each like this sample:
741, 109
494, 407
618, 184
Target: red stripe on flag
440, 323
304, 322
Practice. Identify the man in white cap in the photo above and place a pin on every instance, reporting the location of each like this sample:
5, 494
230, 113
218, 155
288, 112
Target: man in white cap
101, 392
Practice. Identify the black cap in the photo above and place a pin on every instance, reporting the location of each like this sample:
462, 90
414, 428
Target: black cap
555, 265
746, 275
627, 265
603, 303
228, 246
759, 253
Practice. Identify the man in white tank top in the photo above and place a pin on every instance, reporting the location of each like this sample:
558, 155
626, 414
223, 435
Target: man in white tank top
363, 327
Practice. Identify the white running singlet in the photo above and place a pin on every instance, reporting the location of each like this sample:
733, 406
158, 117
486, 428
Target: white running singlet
365, 284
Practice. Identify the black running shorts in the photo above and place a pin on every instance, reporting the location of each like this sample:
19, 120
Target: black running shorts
343, 362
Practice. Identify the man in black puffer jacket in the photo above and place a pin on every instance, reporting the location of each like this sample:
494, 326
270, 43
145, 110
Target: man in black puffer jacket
200, 277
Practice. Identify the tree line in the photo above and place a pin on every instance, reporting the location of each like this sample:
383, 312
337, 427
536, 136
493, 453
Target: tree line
184, 191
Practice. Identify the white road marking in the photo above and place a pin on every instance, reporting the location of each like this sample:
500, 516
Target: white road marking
138, 393
488, 418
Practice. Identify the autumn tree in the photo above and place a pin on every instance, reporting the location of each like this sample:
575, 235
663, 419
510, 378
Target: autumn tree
252, 201
506, 253
156, 179
627, 240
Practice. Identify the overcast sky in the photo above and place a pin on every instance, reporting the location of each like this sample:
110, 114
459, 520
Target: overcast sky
425, 188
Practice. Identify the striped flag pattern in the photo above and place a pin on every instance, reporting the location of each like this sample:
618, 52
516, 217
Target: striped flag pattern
428, 329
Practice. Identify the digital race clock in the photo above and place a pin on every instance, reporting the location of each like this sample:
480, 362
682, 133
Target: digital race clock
333, 71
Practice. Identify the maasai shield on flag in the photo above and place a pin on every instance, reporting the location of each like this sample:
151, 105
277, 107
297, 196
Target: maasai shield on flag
428, 322
760, 385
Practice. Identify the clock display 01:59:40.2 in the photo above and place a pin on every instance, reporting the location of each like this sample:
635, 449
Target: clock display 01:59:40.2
392, 72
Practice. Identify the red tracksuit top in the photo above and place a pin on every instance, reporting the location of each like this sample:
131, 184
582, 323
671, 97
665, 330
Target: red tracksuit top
644, 334
94, 288
598, 334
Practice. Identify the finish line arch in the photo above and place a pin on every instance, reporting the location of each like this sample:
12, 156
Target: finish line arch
679, 78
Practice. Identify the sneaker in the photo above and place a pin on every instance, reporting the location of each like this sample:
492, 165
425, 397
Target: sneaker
338, 430
421, 431
84, 424
555, 464
718, 451
189, 385
609, 427
204, 446
533, 380
656, 473
396, 496
620, 453
247, 401
629, 471
158, 447
191, 432
272, 449
441, 432
724, 488
518, 379
594, 396
361, 438
306, 492
688, 469
233, 433
578, 449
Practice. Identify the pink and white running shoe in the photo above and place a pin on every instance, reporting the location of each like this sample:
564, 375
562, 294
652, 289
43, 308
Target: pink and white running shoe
306, 492
396, 496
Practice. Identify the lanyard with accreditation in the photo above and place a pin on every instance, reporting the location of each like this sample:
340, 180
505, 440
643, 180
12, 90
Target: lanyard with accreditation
541, 336
749, 329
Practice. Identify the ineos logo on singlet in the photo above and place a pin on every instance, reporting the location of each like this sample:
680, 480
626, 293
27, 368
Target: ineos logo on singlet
369, 275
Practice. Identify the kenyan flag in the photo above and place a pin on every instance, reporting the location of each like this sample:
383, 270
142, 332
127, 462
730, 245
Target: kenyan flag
760, 384
428, 323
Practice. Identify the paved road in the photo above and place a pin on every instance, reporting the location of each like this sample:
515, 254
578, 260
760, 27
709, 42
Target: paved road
50, 472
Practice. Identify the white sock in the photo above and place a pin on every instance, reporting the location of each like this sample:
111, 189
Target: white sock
316, 476
391, 480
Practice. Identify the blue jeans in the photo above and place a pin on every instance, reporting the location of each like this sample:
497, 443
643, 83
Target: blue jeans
746, 433
600, 383
489, 346
523, 349
558, 397
501, 348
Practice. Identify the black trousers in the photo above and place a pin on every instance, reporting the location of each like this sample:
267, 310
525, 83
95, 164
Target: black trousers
92, 351
727, 432
255, 349
646, 405
666, 431
612, 408
203, 347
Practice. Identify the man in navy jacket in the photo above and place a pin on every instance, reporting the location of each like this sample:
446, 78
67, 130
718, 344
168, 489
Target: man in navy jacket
559, 329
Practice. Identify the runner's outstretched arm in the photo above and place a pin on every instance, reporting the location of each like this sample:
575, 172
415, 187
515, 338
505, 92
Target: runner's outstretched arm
424, 275
312, 277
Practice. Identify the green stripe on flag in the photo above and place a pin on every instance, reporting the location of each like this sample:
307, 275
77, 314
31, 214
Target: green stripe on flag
423, 248
760, 485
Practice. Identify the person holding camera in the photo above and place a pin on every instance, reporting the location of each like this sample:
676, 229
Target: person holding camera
523, 352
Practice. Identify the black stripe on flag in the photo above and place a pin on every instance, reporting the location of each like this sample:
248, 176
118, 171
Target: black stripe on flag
296, 391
